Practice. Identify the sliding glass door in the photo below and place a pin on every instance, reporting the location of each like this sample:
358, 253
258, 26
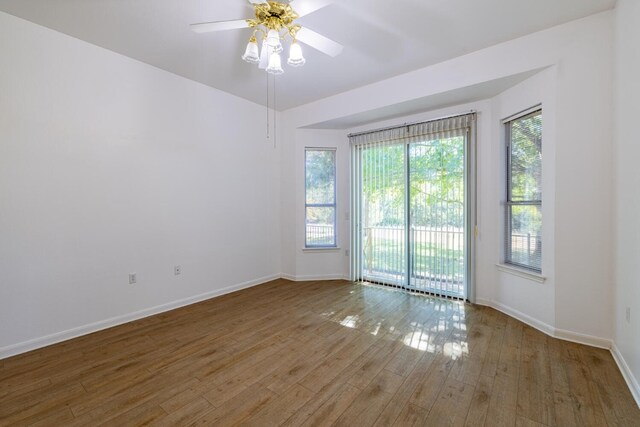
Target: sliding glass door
411, 211
436, 197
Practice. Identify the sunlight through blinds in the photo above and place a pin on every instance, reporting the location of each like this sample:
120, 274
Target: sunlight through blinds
410, 206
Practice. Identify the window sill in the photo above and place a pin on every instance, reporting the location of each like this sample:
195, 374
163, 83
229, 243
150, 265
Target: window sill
321, 249
520, 272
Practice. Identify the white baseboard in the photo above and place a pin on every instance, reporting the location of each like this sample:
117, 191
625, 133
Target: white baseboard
562, 334
524, 318
552, 331
23, 347
314, 277
632, 382
591, 340
36, 343
33, 344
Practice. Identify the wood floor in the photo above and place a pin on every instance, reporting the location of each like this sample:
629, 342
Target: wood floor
317, 353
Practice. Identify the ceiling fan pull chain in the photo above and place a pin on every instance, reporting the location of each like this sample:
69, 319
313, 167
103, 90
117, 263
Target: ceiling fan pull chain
267, 106
275, 114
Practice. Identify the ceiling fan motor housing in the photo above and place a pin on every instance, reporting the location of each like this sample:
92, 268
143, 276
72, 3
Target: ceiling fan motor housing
275, 16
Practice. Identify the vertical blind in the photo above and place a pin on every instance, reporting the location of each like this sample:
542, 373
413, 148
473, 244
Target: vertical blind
523, 215
410, 206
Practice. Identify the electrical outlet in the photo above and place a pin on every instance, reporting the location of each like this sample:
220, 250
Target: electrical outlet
628, 314
177, 270
132, 278
346, 252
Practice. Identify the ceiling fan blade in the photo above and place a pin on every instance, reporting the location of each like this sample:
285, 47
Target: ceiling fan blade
305, 7
207, 27
319, 42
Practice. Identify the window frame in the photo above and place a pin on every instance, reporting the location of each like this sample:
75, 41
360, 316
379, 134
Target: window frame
509, 204
333, 205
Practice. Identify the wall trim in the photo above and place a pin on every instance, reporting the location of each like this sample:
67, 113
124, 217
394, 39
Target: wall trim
552, 331
295, 278
516, 314
520, 272
591, 340
36, 343
626, 373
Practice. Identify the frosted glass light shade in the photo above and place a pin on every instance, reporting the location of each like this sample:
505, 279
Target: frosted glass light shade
273, 38
275, 65
251, 54
264, 55
295, 56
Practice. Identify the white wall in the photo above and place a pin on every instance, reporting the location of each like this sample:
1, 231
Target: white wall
575, 301
110, 166
627, 183
521, 296
583, 184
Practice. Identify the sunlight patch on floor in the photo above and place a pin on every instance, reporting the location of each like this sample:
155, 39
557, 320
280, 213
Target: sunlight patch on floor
419, 340
455, 350
350, 321
376, 329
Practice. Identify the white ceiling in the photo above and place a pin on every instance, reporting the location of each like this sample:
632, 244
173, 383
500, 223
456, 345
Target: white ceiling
382, 38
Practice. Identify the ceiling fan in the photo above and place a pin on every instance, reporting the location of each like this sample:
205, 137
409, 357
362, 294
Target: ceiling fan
274, 21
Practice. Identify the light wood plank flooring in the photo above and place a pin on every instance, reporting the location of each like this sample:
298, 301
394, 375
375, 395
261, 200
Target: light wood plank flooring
317, 353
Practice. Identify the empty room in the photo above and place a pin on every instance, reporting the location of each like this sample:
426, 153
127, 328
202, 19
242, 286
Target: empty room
319, 212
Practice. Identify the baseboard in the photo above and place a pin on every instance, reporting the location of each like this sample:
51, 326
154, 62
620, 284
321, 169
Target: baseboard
314, 277
591, 340
632, 382
36, 343
57, 337
562, 334
524, 318
552, 331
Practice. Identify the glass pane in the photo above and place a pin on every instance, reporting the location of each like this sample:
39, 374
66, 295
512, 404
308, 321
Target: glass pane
320, 227
321, 177
525, 234
526, 158
383, 214
437, 202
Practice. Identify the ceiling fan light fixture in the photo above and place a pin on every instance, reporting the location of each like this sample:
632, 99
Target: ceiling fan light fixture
251, 54
295, 55
275, 22
264, 55
273, 39
275, 64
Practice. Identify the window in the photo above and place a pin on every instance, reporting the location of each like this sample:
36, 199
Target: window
523, 213
320, 197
